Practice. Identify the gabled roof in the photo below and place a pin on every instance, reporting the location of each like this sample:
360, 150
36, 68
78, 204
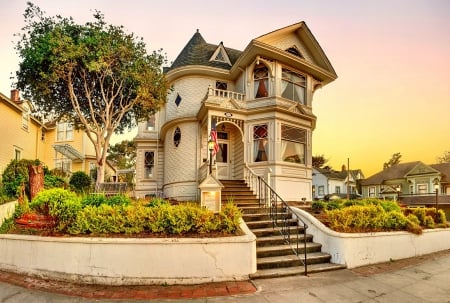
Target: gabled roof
198, 52
398, 171
277, 45
444, 168
338, 175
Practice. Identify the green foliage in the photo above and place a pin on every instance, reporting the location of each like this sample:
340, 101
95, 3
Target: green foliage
97, 76
428, 221
156, 202
395, 220
52, 181
165, 219
15, 176
80, 182
60, 204
99, 199
357, 218
441, 218
118, 200
318, 205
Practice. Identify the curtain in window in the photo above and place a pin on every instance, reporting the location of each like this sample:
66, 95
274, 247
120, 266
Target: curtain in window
300, 152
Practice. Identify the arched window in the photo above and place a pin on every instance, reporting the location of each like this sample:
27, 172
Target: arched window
261, 81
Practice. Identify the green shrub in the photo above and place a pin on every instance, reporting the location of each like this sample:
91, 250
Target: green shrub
80, 182
318, 205
118, 200
166, 218
156, 202
61, 204
357, 218
395, 220
334, 204
52, 181
412, 218
420, 213
441, 218
93, 200
428, 221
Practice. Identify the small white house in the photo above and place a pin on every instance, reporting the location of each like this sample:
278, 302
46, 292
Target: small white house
257, 103
327, 182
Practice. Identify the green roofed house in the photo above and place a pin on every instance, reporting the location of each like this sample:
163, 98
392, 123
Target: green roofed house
257, 105
412, 183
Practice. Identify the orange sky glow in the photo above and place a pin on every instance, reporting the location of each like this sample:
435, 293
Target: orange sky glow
392, 58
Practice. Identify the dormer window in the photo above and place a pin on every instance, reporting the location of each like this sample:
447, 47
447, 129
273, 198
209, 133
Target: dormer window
220, 55
261, 80
294, 50
293, 86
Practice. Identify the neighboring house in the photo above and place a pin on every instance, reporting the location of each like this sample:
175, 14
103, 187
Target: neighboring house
412, 182
259, 102
328, 182
57, 145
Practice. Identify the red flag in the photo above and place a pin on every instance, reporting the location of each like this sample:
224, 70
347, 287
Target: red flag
214, 137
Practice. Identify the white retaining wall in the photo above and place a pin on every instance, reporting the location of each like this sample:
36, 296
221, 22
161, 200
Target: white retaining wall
130, 261
6, 210
358, 249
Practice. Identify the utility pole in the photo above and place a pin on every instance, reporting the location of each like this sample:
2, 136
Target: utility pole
348, 178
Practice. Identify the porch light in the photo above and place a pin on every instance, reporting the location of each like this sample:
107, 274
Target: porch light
210, 148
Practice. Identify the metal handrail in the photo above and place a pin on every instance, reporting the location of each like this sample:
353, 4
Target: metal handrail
269, 199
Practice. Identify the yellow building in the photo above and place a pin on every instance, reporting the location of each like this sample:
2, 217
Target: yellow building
57, 144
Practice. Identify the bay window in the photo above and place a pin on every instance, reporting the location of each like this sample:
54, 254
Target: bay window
293, 144
293, 86
260, 146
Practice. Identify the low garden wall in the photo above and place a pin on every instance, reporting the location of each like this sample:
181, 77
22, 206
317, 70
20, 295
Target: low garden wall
131, 261
358, 249
6, 210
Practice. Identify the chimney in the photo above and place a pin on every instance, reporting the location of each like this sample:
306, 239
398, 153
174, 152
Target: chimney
15, 96
344, 168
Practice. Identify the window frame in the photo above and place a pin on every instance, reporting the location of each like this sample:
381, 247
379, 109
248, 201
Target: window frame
291, 144
64, 128
264, 79
260, 143
149, 169
291, 83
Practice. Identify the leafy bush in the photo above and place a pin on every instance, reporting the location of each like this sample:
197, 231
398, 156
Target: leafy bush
166, 218
156, 202
80, 182
357, 218
61, 204
93, 200
395, 220
52, 181
118, 200
441, 218
318, 205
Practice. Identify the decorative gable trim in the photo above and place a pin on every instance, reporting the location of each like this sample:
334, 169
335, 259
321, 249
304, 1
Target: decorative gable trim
220, 55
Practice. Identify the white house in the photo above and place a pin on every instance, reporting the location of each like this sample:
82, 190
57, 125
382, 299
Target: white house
259, 101
328, 182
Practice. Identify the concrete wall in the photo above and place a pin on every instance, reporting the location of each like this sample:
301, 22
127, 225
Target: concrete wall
7, 210
130, 261
358, 249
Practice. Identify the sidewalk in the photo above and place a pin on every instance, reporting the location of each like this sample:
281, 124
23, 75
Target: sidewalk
420, 279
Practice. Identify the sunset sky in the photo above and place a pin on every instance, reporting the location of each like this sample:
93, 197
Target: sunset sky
392, 58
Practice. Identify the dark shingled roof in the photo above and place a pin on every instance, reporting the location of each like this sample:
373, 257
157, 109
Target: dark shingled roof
444, 168
198, 52
397, 171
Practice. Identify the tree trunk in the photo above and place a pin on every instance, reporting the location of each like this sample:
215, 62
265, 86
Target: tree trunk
100, 174
36, 175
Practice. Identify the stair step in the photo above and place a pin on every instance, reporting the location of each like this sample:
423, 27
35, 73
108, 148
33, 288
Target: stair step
292, 260
267, 223
267, 231
292, 271
277, 240
284, 249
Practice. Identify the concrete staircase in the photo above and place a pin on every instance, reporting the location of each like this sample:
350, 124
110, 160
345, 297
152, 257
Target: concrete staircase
275, 258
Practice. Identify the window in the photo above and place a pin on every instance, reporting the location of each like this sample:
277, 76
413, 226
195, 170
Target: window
411, 189
260, 146
293, 86
321, 190
17, 154
177, 137
422, 188
149, 164
294, 50
293, 141
151, 122
221, 85
261, 80
25, 117
64, 131
93, 170
338, 190
64, 165
372, 191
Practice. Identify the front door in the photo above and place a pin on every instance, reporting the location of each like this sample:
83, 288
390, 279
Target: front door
223, 156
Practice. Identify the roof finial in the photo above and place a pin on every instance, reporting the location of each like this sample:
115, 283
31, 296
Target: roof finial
197, 30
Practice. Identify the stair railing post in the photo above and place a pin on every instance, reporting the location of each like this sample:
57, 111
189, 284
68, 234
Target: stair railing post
267, 193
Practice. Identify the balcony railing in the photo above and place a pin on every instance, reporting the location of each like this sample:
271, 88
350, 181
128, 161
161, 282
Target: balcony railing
226, 94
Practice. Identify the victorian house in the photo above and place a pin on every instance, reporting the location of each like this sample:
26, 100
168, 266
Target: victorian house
258, 105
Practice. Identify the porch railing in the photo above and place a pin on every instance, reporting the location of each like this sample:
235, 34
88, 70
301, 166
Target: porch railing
281, 215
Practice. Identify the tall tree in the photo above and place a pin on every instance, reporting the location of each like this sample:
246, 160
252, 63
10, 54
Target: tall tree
395, 159
123, 154
445, 158
95, 75
318, 161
